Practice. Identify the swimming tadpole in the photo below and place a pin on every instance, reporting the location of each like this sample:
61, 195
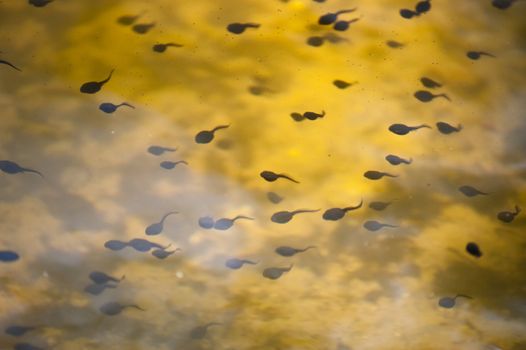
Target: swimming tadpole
430, 83
114, 308
282, 217
313, 115
159, 150
143, 245
423, 6
373, 225
115, 245
394, 44
12, 168
377, 175
92, 87
206, 222
449, 302
396, 160
426, 96
162, 254
446, 129
508, 216
143, 28
157, 227
169, 165
470, 191
226, 223
331, 17
8, 256
271, 176
475, 55
273, 273
342, 84
408, 14
199, 332
160, 48
290, 251
402, 129
334, 214
109, 108
236, 264
128, 20
206, 136
239, 28
379, 206
473, 249
100, 277
344, 25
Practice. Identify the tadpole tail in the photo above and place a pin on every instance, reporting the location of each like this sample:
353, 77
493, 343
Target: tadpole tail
346, 11
421, 126
26, 170
517, 209
167, 214
389, 175
126, 104
288, 178
242, 217
173, 45
444, 96
10, 65
219, 127
250, 262
181, 162
108, 78
135, 306
462, 296
299, 211
483, 53
355, 207
306, 248
389, 225
252, 25
287, 269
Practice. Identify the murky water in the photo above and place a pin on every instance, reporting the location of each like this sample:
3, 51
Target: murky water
363, 285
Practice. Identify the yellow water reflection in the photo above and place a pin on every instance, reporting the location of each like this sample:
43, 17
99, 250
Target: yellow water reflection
358, 289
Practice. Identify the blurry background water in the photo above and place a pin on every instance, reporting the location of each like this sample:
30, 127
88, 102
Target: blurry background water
358, 289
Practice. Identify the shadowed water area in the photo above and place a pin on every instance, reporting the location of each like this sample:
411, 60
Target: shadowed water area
73, 177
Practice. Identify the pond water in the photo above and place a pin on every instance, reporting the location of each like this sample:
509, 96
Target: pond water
116, 221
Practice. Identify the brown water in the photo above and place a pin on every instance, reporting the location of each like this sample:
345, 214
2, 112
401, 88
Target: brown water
358, 289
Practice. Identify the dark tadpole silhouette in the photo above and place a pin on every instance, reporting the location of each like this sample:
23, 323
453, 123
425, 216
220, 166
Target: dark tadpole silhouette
271, 176
379, 206
396, 160
273, 273
473, 249
402, 129
239, 28
128, 20
315, 41
282, 217
313, 115
115, 245
475, 55
168, 165
376, 175
447, 129
162, 254
408, 14
114, 308
449, 302
26, 346
13, 168
290, 251
10, 65
426, 96
18, 331
236, 264
40, 3
200, 331
100, 277
143, 245
502, 4
394, 44
156, 228
344, 25
158, 150
109, 108
508, 216
430, 83
423, 6
206, 222
274, 197
331, 17
342, 84
297, 116
334, 214
143, 28
206, 136
470, 191
92, 87
8, 256
160, 48
97, 289
373, 225
225, 223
